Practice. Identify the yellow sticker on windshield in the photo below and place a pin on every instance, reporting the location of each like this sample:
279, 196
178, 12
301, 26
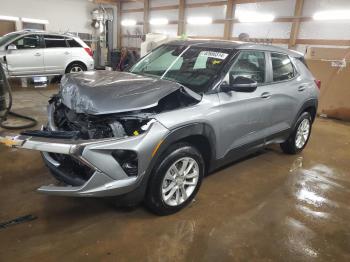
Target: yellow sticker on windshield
216, 62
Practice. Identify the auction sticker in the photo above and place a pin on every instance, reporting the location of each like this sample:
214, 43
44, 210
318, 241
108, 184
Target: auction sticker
212, 54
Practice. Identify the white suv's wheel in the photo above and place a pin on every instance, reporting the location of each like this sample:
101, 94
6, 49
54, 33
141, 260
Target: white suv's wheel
75, 68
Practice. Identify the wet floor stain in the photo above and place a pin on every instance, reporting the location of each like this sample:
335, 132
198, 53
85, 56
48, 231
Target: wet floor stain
269, 207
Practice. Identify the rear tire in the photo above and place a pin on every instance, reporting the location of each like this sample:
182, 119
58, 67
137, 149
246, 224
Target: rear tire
76, 68
175, 180
299, 138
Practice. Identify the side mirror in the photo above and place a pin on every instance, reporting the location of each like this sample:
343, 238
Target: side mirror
240, 84
11, 47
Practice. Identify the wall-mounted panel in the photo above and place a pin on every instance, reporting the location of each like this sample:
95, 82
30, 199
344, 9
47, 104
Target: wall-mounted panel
132, 5
132, 30
155, 3
215, 30
312, 6
201, 1
277, 8
170, 30
263, 30
215, 12
171, 15
325, 30
138, 16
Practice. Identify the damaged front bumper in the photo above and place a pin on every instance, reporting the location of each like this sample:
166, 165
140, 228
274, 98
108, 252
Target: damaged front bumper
108, 177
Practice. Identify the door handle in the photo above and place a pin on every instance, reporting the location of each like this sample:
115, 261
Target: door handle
301, 88
66, 53
265, 95
37, 54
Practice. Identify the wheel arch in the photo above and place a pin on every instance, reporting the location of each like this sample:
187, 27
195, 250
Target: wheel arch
200, 135
75, 62
309, 106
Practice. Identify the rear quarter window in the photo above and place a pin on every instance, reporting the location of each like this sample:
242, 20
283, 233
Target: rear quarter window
73, 43
282, 67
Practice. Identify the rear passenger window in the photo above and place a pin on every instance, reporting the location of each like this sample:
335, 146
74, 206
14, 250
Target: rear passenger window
73, 43
52, 41
282, 67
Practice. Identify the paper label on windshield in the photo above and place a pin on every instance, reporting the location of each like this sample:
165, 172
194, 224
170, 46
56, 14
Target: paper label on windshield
212, 54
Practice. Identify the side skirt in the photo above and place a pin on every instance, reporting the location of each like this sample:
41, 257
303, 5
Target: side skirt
246, 150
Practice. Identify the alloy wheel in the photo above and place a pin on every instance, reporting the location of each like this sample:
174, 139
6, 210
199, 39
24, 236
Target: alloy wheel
180, 181
302, 134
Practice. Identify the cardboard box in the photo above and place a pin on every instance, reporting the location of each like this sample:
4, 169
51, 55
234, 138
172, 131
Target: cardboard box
331, 66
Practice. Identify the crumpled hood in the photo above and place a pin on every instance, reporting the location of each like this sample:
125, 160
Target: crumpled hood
107, 92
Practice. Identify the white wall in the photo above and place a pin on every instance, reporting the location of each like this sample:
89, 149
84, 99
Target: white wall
63, 15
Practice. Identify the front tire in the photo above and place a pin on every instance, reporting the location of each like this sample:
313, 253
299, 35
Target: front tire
176, 180
297, 141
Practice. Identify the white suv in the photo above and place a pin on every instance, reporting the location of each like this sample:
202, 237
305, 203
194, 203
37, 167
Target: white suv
38, 53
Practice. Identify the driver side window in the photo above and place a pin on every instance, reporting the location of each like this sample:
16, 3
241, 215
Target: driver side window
249, 64
27, 42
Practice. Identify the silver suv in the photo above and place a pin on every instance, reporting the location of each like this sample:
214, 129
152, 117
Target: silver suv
39, 53
182, 111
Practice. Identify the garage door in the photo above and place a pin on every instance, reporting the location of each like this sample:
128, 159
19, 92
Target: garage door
7, 27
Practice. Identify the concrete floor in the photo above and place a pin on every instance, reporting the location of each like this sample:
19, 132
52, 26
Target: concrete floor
269, 207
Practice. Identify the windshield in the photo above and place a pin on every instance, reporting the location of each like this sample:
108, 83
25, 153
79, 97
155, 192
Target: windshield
6, 38
191, 66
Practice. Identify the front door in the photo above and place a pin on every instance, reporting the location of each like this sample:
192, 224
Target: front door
245, 115
25, 56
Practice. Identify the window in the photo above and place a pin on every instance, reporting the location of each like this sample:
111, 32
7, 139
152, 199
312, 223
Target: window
73, 43
282, 67
194, 67
52, 41
8, 37
27, 42
249, 64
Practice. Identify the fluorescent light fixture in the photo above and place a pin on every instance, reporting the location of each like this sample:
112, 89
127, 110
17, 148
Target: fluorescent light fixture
128, 22
254, 17
159, 21
9, 18
204, 20
332, 15
34, 21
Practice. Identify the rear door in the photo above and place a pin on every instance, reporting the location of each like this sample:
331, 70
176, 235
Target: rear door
57, 55
27, 58
245, 116
286, 89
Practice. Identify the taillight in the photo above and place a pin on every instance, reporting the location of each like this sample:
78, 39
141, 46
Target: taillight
88, 50
318, 83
